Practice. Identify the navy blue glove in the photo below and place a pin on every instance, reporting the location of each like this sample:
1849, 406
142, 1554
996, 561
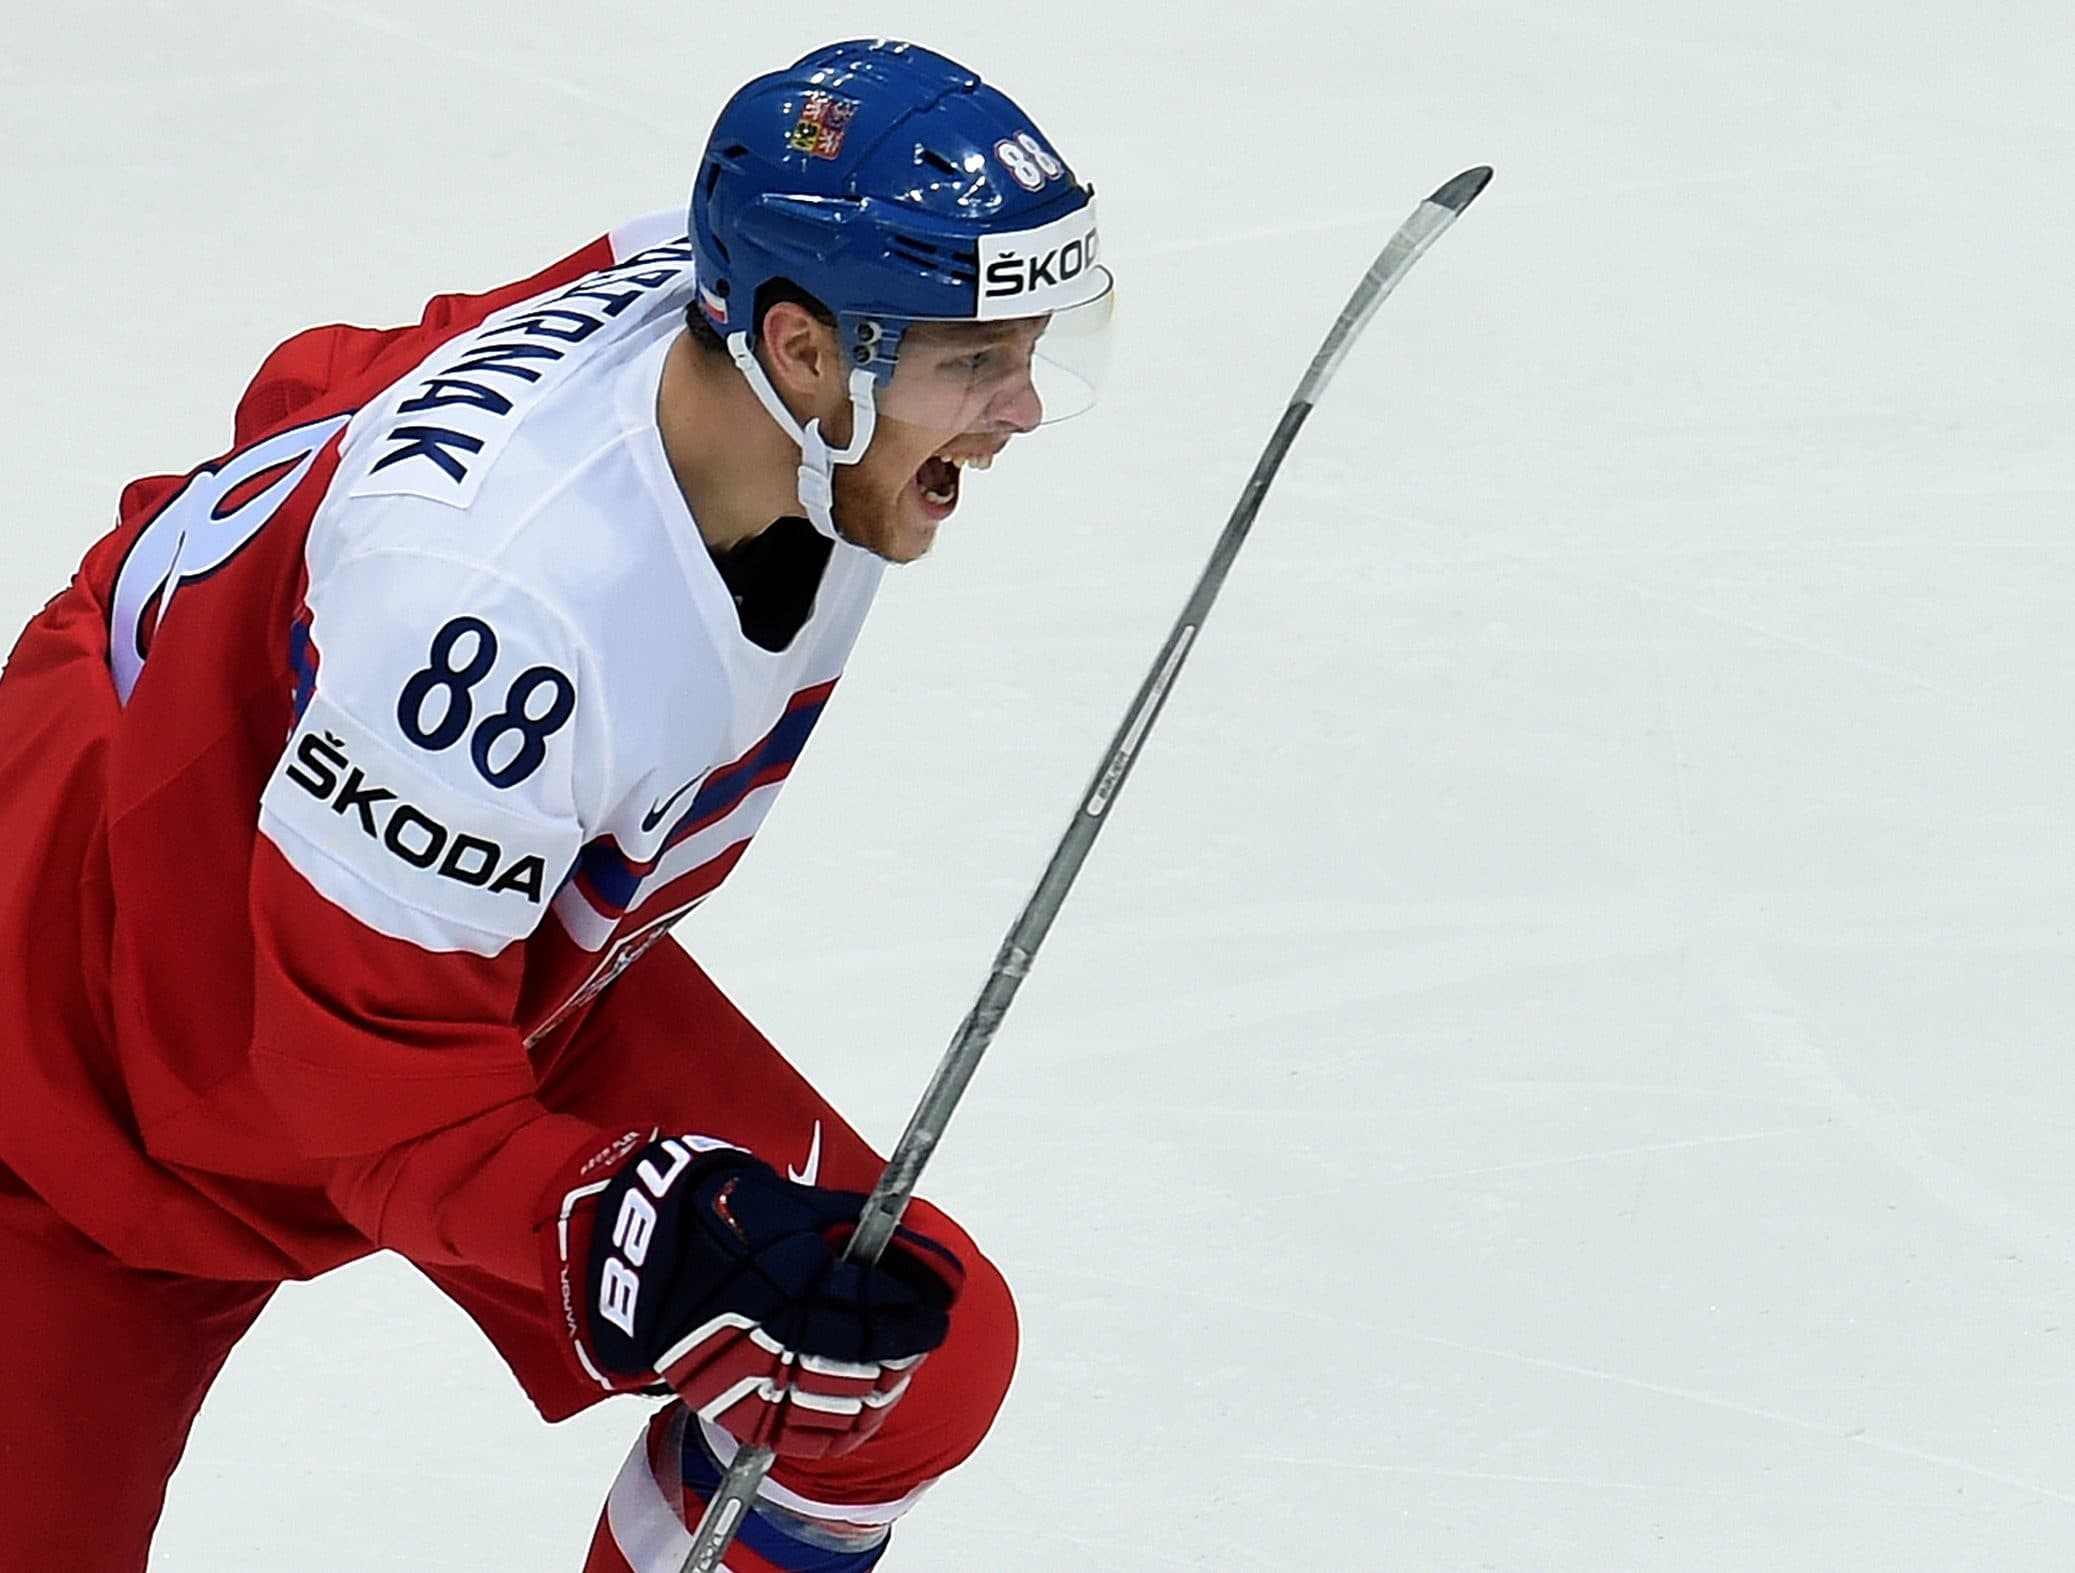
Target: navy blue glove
699, 1264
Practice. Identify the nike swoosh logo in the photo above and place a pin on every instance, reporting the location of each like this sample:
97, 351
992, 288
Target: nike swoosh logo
654, 816
807, 1175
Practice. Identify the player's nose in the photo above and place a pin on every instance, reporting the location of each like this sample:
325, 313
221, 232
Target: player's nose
1018, 409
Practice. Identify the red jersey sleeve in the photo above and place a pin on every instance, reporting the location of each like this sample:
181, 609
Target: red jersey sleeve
398, 1070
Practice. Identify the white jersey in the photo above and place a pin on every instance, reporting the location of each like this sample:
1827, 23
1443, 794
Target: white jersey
529, 701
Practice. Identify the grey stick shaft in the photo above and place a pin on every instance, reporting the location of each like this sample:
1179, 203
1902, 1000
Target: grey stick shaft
897, 1183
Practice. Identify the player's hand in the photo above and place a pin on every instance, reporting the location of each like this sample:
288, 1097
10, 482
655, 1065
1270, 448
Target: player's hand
698, 1264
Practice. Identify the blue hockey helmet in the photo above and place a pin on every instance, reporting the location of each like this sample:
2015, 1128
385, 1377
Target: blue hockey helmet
894, 187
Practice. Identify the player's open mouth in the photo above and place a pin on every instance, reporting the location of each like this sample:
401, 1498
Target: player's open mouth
937, 480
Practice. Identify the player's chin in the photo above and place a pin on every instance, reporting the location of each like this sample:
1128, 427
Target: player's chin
910, 524
899, 524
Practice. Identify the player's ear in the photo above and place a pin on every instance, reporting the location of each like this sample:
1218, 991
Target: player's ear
801, 355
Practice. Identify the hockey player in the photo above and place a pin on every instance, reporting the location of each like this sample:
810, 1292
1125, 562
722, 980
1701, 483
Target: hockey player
346, 793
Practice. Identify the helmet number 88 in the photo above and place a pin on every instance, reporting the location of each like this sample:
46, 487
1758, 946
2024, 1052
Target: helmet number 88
1026, 158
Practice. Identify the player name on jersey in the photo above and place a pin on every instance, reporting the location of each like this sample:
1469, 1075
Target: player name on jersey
447, 422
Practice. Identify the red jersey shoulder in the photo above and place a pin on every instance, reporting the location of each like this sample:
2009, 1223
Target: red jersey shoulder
340, 366
173, 529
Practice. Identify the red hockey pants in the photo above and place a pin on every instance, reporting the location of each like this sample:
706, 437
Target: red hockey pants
104, 1366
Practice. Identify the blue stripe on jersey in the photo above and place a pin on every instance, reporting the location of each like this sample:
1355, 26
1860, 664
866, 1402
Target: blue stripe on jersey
609, 879
725, 788
302, 660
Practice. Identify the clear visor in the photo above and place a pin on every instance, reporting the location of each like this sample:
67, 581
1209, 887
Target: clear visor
1003, 376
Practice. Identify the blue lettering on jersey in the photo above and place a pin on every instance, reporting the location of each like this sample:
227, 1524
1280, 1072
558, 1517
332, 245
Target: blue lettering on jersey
556, 322
436, 443
442, 391
505, 360
525, 347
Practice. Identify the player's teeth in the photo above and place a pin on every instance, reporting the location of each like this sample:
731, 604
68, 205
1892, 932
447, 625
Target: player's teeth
981, 461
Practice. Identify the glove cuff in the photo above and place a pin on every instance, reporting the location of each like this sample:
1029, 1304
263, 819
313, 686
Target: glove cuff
566, 1219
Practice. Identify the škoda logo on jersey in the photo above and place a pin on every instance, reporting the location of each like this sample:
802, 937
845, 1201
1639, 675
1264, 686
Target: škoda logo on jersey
320, 766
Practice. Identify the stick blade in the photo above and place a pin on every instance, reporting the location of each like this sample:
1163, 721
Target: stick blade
1460, 192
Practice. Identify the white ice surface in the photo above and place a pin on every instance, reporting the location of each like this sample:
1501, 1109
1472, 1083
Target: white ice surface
1562, 1061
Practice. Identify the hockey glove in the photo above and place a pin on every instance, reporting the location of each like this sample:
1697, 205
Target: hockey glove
696, 1263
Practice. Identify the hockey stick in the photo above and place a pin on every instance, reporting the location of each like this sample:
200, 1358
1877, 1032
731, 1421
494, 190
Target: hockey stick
889, 1198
